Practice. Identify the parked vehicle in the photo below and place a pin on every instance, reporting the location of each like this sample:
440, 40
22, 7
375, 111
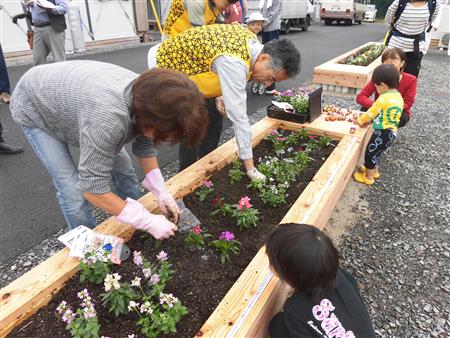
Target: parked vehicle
347, 11
370, 14
293, 13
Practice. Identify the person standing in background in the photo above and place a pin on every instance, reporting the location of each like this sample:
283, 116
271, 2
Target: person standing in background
49, 30
185, 14
5, 97
408, 22
271, 10
235, 13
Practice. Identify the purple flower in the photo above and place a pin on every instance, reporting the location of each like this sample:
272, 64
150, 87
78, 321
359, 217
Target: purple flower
83, 294
89, 312
137, 258
154, 279
68, 316
227, 236
208, 184
62, 307
162, 256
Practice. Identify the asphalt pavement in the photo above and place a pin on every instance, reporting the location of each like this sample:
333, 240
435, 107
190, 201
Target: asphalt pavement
29, 212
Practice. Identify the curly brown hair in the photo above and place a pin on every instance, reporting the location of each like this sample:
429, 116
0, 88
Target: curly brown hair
170, 103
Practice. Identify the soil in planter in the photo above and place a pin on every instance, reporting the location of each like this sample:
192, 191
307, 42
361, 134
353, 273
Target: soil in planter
200, 281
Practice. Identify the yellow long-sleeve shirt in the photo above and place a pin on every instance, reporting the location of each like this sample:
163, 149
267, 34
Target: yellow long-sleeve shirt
385, 111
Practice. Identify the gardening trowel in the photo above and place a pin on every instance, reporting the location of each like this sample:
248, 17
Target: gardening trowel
186, 220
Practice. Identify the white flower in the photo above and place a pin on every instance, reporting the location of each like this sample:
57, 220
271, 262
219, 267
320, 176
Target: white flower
136, 281
146, 308
112, 282
147, 272
131, 336
132, 305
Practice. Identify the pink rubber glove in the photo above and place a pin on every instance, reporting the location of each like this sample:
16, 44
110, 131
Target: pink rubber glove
154, 182
138, 217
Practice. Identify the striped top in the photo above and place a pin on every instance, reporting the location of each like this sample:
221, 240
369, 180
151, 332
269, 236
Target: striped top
413, 21
85, 104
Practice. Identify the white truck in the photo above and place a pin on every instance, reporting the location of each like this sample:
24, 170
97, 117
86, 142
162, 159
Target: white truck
347, 11
370, 14
294, 13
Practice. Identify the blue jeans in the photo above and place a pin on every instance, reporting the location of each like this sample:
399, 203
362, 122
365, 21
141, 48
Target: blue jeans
56, 158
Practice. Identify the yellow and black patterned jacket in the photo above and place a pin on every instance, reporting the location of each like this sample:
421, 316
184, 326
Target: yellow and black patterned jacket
193, 52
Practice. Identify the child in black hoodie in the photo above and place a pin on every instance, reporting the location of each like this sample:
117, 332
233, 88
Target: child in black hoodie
325, 302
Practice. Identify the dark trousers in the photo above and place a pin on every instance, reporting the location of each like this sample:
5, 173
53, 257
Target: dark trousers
266, 37
379, 142
413, 61
188, 156
4, 80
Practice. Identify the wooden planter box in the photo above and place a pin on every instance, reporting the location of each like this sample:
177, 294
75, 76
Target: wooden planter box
341, 79
257, 295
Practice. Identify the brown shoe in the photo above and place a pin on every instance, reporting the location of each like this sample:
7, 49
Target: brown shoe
5, 97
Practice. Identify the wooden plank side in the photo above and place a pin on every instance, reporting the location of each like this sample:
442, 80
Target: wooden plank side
335, 129
27, 294
323, 191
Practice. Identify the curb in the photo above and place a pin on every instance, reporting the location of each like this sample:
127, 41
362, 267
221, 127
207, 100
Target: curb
28, 59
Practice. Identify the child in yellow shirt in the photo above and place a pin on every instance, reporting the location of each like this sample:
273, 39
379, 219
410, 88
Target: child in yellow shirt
385, 115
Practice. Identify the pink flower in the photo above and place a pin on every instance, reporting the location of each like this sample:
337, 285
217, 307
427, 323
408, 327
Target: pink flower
312, 137
227, 236
281, 138
162, 256
244, 202
208, 184
137, 258
274, 132
62, 307
197, 230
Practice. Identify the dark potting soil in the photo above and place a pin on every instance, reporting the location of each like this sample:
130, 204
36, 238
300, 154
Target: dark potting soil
200, 281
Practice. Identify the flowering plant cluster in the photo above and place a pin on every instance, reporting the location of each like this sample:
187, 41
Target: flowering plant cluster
117, 294
82, 323
288, 163
206, 188
226, 245
196, 237
245, 215
158, 312
235, 173
298, 99
94, 266
223, 208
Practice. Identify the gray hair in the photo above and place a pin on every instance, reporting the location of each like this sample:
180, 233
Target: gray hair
284, 55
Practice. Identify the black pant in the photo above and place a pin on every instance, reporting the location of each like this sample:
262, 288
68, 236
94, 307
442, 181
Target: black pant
379, 142
4, 79
188, 156
413, 61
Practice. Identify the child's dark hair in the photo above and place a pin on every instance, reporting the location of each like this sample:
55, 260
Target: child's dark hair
394, 53
387, 74
304, 257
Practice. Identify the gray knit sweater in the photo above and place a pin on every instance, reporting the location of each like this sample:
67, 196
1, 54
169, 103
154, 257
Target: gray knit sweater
84, 104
